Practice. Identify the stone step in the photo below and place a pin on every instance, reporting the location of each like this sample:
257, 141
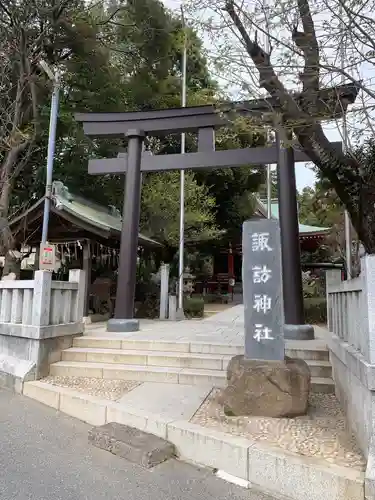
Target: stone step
170, 359
108, 342
141, 373
149, 358
319, 385
314, 350
147, 373
318, 368
317, 353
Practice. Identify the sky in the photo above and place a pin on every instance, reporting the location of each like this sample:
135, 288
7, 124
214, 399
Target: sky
304, 174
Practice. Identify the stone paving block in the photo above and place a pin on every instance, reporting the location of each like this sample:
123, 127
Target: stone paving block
132, 444
97, 342
215, 347
126, 416
166, 400
211, 448
87, 408
195, 377
295, 477
76, 369
45, 393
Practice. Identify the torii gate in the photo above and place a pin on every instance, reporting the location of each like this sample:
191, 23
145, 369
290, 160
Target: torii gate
203, 120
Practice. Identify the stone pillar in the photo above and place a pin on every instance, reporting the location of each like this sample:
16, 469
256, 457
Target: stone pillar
368, 304
172, 308
262, 290
42, 298
164, 289
333, 277
78, 276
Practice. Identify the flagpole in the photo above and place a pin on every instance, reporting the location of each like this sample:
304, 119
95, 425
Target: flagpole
182, 183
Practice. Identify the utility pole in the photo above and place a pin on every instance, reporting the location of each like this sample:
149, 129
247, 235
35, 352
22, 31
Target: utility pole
180, 307
51, 146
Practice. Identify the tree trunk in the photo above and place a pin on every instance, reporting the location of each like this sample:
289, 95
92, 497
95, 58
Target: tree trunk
365, 226
12, 265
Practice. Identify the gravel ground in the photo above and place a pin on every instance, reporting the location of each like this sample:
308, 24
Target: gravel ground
103, 388
322, 433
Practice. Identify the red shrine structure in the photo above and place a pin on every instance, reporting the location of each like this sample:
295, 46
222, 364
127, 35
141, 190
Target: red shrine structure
228, 264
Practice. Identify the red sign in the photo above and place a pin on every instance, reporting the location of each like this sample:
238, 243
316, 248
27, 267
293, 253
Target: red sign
47, 257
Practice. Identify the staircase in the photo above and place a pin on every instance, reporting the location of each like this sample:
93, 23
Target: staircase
175, 362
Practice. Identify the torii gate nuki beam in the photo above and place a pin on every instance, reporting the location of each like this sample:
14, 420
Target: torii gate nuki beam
204, 120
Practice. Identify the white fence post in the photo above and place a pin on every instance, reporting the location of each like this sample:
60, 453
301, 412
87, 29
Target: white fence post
333, 277
164, 288
78, 276
368, 303
172, 307
42, 298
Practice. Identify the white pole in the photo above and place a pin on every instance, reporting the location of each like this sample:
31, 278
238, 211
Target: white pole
182, 184
348, 238
269, 191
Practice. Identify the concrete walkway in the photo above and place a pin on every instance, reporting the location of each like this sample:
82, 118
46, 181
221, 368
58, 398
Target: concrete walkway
46, 456
226, 327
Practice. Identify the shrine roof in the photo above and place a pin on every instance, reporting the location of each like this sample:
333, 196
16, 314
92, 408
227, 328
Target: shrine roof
99, 220
304, 229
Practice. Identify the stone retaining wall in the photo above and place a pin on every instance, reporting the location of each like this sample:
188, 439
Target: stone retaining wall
351, 323
38, 319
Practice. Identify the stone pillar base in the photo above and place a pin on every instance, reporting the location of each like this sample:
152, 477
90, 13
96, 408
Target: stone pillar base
266, 388
180, 315
122, 325
299, 332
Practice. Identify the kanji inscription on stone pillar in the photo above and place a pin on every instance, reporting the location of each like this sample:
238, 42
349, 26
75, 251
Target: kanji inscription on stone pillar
262, 290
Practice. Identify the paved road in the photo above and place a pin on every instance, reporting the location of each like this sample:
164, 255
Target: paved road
45, 456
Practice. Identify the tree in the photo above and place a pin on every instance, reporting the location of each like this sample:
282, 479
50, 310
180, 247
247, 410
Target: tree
30, 32
160, 209
142, 50
320, 206
293, 46
126, 56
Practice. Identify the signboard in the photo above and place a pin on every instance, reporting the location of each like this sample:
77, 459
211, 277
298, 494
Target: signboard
262, 290
47, 257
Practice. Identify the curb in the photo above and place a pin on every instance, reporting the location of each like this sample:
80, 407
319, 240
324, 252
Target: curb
284, 475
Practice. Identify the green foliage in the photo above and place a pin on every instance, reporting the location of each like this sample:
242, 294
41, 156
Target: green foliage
315, 310
313, 286
161, 203
194, 307
126, 55
233, 187
320, 206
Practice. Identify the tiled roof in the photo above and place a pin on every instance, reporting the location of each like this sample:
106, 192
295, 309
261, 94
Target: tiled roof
106, 218
304, 229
